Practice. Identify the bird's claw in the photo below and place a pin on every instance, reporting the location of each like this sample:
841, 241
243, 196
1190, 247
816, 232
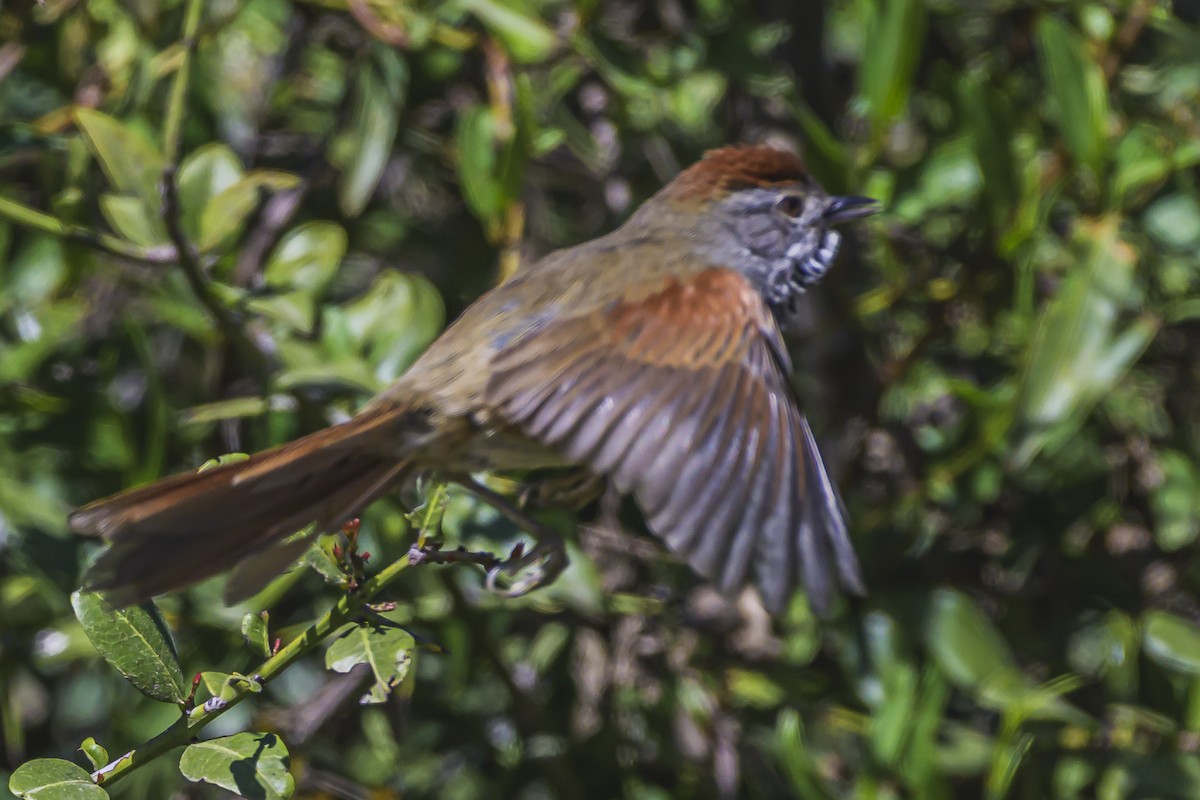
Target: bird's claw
523, 573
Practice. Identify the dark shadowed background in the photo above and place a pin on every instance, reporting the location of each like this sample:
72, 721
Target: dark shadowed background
1002, 367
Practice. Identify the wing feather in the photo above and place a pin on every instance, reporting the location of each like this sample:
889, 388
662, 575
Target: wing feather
680, 395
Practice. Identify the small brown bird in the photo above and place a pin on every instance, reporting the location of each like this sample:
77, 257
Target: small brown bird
651, 356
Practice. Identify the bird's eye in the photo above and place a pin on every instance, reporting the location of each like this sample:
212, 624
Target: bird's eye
791, 205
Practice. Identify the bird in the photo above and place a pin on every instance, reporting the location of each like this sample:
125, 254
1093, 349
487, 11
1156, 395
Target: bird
651, 356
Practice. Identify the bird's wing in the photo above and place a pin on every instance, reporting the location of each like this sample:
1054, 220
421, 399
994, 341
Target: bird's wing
681, 396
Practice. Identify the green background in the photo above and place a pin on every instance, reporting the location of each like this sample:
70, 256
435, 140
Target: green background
1002, 367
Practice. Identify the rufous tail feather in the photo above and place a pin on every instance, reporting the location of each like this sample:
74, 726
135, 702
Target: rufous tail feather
185, 528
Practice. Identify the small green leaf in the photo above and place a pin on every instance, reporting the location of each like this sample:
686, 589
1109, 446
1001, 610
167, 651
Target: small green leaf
894, 42
693, 100
1077, 352
475, 141
133, 219
1109, 648
53, 779
136, 642
96, 754
215, 682
349, 375
252, 765
796, 757
968, 649
1142, 161
754, 689
130, 160
226, 685
307, 257
367, 144
296, 310
235, 408
1077, 91
1176, 514
254, 631
202, 176
323, 564
385, 648
989, 125
393, 323
220, 461
1175, 221
36, 272
527, 39
226, 212
1172, 642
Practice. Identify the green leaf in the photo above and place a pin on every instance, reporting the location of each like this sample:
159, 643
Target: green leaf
96, 754
1077, 353
385, 648
754, 689
968, 649
527, 39
1108, 648
693, 100
226, 685
35, 273
254, 631
1078, 95
133, 219
1142, 161
203, 175
222, 460
796, 757
296, 310
475, 142
893, 45
1175, 221
53, 779
989, 126
227, 211
378, 96
393, 323
348, 375
1176, 513
136, 642
130, 160
1172, 642
323, 564
252, 765
307, 258
215, 682
974, 656
235, 408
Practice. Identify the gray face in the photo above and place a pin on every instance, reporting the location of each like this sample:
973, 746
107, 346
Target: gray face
784, 240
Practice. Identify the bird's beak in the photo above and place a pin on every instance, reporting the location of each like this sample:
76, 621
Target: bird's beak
844, 209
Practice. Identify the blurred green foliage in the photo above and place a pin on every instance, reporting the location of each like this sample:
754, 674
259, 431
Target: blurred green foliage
1003, 367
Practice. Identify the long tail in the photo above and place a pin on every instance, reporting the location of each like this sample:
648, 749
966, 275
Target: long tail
185, 528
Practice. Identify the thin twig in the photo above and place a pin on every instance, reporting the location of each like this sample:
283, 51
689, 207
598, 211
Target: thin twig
431, 554
275, 216
193, 270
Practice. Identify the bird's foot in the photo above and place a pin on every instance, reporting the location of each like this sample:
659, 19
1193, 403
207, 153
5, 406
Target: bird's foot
521, 573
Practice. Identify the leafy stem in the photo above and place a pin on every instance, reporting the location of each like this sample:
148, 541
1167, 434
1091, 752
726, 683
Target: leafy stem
345, 610
113, 245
